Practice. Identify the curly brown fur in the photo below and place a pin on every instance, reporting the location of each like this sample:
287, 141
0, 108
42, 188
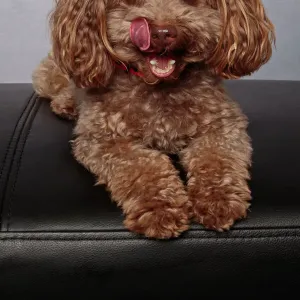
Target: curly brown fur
126, 125
50, 82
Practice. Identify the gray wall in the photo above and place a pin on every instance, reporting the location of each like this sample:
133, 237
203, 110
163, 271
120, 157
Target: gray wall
24, 39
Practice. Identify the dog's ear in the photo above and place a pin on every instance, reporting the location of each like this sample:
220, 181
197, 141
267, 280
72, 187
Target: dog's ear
246, 39
80, 45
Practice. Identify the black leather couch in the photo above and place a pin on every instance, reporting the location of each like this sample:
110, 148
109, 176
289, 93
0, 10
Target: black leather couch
61, 236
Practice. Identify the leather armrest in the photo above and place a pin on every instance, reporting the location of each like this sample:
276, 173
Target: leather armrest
61, 235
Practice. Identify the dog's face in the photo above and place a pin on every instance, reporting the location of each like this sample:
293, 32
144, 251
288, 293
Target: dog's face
159, 37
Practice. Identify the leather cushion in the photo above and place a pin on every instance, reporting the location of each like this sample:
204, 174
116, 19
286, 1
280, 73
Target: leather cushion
62, 236
48, 191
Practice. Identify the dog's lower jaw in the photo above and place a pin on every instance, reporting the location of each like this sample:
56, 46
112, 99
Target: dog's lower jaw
151, 79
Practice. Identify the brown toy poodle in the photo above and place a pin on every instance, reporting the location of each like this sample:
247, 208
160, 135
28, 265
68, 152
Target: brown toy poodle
143, 79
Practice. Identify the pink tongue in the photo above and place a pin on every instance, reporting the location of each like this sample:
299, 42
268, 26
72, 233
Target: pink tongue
140, 33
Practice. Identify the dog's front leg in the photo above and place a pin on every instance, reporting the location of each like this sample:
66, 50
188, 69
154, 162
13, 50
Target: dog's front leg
217, 165
143, 182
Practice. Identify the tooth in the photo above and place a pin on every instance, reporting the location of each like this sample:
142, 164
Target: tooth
172, 62
153, 62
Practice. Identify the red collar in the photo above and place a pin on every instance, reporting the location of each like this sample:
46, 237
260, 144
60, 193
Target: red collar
129, 70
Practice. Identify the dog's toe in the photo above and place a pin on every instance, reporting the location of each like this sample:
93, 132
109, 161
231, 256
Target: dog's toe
162, 223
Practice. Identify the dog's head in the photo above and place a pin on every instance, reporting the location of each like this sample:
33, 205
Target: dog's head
159, 38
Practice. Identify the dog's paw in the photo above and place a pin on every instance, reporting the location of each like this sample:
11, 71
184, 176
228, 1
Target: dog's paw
66, 110
159, 223
219, 215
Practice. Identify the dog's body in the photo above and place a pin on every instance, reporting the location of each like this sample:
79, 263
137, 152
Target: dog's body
129, 121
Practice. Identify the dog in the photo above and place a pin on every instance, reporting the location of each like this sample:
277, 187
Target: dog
143, 80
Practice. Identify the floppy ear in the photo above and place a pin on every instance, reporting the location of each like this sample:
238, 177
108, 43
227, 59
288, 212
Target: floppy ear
80, 45
246, 39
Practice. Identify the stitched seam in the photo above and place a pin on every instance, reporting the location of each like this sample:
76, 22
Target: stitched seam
144, 239
12, 136
24, 133
253, 228
9, 150
88, 235
124, 230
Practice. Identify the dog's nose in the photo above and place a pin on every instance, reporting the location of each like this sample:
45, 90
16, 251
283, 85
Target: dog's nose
163, 36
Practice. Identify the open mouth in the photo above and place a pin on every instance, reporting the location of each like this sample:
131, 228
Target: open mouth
162, 66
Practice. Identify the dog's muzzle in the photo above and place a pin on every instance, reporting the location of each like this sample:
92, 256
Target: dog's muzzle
152, 38
155, 42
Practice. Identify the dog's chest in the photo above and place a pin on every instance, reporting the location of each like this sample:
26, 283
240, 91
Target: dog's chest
165, 125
